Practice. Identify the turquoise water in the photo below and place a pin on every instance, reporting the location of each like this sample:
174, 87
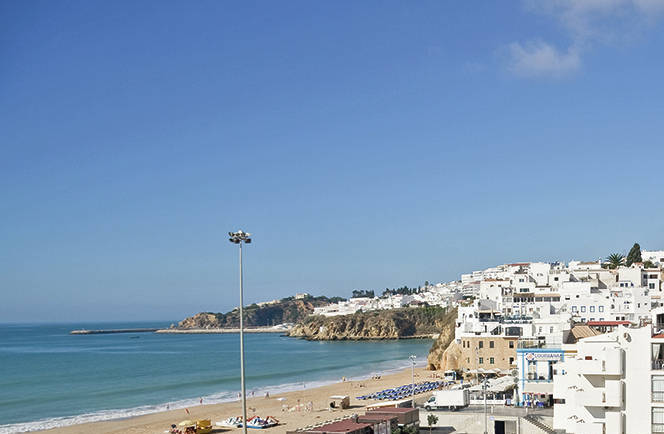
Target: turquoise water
50, 378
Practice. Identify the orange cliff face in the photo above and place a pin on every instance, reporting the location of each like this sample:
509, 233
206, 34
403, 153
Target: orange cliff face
442, 355
382, 324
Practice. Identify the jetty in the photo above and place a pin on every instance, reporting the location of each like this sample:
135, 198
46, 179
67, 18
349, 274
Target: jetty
183, 331
105, 332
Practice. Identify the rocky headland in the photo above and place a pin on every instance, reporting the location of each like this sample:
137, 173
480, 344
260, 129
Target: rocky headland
413, 322
287, 310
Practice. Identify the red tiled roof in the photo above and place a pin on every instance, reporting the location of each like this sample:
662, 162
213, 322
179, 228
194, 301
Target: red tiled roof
392, 409
607, 323
661, 335
347, 425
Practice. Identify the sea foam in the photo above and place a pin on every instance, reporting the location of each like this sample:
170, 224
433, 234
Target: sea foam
217, 398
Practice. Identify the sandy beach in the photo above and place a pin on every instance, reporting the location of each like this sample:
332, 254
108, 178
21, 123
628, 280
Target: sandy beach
262, 406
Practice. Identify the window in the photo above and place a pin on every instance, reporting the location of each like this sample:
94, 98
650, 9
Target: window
555, 279
491, 360
491, 343
521, 280
540, 330
583, 308
467, 359
511, 345
651, 286
551, 330
574, 309
657, 419
592, 308
511, 360
658, 388
601, 308
481, 344
481, 360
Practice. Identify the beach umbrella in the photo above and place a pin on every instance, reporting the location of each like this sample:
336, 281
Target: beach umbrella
187, 423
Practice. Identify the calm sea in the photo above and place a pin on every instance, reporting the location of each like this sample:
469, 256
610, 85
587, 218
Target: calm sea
49, 378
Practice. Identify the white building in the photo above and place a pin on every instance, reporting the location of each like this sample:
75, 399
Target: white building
654, 256
613, 385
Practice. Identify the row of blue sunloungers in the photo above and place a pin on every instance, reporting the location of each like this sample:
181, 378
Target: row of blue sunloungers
404, 391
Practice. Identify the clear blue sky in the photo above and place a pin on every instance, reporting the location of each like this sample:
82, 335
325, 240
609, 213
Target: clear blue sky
365, 144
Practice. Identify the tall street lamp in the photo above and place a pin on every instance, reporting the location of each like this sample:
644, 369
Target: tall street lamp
238, 238
412, 358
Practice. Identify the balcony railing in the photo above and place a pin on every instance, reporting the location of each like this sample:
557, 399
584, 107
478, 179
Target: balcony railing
658, 364
658, 397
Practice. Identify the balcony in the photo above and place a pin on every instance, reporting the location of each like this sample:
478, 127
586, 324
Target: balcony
613, 393
593, 367
608, 362
614, 422
589, 428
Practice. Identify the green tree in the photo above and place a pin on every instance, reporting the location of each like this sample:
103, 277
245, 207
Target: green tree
432, 419
648, 264
615, 260
634, 255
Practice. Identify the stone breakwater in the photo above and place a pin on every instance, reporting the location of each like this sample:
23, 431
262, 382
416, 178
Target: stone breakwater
182, 331
110, 331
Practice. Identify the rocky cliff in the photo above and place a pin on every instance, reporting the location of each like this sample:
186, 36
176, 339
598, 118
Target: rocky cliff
384, 324
443, 347
287, 310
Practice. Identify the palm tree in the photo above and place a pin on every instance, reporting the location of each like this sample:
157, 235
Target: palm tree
615, 260
432, 419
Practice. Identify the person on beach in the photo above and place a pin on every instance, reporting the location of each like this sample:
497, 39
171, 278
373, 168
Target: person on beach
201, 401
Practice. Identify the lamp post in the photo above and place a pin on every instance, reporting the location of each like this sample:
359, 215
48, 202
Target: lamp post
484, 386
238, 238
412, 358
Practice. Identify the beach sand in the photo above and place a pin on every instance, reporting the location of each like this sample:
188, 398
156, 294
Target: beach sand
289, 420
